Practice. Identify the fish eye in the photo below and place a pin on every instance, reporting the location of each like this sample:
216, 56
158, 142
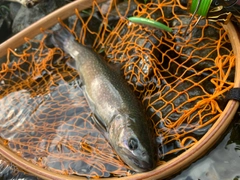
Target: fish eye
118, 116
132, 144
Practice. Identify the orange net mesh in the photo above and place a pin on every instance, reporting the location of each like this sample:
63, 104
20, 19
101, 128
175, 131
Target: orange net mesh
180, 80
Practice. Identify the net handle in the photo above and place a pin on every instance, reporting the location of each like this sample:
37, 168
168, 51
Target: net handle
44, 23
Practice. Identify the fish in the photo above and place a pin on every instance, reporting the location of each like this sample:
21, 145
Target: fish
117, 112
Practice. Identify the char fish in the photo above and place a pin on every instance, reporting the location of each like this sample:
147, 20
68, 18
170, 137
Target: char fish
118, 113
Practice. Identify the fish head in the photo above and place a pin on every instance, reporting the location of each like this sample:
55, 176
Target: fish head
133, 144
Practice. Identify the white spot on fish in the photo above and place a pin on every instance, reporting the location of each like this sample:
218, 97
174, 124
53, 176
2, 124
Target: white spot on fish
75, 53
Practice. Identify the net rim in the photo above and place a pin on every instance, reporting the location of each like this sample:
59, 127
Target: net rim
171, 167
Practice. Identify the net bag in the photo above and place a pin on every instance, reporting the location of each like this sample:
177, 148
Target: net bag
45, 125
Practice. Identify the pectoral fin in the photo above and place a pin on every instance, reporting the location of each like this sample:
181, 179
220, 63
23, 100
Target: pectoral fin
99, 125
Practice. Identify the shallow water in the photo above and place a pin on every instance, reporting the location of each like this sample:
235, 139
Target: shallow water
220, 163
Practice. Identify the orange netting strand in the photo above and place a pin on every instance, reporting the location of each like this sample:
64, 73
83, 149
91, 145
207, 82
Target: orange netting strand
121, 47
42, 110
181, 81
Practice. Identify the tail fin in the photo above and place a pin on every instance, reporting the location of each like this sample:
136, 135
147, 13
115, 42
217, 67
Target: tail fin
61, 37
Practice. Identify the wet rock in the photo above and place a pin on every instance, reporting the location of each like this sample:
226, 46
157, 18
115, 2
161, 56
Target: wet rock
14, 8
26, 17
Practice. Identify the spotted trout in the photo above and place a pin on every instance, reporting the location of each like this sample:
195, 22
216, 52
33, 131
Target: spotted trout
118, 113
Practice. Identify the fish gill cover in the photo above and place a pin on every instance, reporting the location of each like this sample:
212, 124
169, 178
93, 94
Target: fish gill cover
180, 80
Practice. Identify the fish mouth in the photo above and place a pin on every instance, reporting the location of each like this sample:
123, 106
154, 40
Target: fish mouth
142, 165
138, 163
